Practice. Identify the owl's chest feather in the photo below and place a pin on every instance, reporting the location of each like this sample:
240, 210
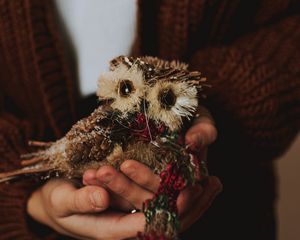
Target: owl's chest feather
111, 138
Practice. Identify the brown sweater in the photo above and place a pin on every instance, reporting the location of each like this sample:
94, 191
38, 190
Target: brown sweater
249, 50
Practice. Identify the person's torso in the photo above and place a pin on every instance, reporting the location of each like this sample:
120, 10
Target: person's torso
98, 32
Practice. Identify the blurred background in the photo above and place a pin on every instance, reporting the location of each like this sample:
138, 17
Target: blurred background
288, 204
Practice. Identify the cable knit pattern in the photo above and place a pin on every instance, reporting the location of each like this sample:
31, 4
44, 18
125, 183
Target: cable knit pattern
34, 63
13, 135
258, 83
249, 50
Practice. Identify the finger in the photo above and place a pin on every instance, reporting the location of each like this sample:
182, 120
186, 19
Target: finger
65, 199
116, 202
108, 225
119, 203
211, 189
135, 221
200, 135
141, 174
187, 197
89, 177
123, 186
126, 226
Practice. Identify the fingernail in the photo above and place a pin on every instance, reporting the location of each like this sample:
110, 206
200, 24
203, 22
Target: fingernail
127, 167
96, 199
129, 170
127, 164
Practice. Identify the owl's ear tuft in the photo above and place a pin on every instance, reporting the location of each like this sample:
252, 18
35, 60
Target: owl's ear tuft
121, 60
163, 64
114, 63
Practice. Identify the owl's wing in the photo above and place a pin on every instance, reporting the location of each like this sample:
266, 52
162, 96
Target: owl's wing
88, 123
85, 144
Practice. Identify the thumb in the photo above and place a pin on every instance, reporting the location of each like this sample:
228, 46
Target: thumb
65, 199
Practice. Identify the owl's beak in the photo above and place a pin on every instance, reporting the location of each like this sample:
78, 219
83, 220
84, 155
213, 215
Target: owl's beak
144, 105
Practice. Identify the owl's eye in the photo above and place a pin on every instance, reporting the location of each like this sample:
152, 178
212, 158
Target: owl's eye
167, 98
126, 88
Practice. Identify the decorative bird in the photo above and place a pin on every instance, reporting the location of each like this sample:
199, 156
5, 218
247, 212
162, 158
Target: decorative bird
146, 105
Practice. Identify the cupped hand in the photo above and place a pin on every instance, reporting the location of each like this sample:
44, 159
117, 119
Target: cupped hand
81, 213
137, 183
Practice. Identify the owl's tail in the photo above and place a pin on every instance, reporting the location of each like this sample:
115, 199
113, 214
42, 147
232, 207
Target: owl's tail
35, 162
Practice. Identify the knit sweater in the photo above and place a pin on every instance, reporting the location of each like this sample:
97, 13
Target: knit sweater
249, 51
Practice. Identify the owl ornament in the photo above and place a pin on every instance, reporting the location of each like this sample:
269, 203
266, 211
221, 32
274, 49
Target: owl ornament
146, 105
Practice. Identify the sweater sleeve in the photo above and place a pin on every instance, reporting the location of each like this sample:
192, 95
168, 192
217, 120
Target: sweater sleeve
14, 221
255, 94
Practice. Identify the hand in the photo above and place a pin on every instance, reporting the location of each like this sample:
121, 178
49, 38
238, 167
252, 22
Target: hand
197, 199
137, 183
81, 213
